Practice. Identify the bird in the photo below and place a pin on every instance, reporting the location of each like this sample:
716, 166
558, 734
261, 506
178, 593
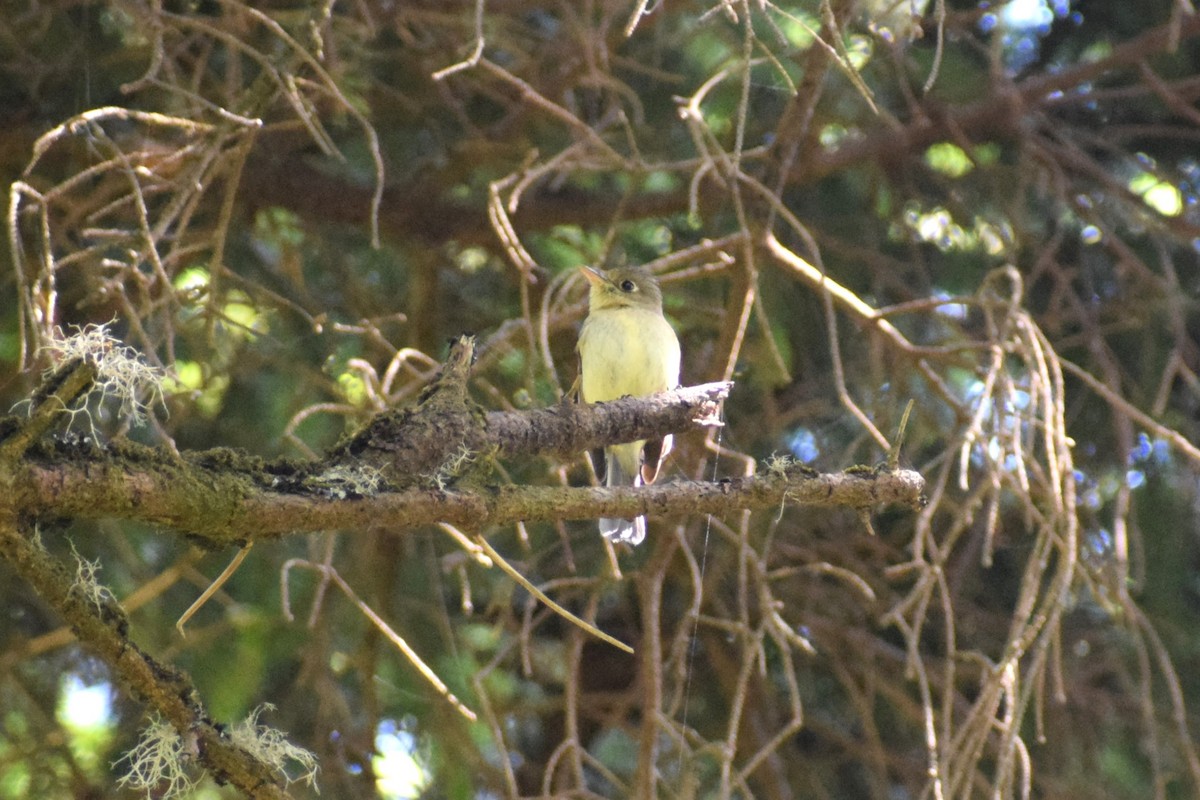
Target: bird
627, 348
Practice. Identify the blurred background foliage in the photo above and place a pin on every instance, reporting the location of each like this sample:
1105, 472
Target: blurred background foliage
292, 207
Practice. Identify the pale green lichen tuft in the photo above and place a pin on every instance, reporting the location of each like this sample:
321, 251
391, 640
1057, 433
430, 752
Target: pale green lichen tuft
273, 749
778, 464
96, 593
453, 467
122, 374
157, 763
346, 481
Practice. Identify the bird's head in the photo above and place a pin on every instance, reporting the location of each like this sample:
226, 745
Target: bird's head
623, 287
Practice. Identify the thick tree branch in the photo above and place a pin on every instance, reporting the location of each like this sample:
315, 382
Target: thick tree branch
229, 509
100, 624
569, 428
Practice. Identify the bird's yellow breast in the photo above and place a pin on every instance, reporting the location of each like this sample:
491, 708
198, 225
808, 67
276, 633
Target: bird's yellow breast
627, 351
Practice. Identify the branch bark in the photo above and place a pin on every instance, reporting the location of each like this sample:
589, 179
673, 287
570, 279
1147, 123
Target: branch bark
230, 509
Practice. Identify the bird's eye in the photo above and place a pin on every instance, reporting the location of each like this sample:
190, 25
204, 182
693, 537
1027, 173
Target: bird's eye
628, 286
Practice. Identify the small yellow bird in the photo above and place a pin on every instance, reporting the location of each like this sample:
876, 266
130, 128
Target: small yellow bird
627, 348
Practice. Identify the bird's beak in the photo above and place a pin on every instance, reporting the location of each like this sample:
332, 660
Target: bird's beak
594, 276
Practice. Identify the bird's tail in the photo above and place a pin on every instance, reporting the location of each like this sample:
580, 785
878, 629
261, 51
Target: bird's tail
632, 531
